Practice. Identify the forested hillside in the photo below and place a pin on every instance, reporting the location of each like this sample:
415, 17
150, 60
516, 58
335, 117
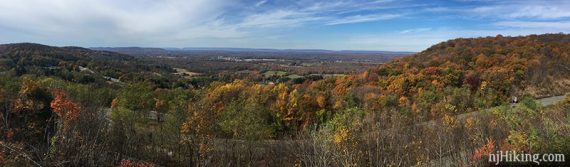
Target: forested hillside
537, 65
84, 66
446, 105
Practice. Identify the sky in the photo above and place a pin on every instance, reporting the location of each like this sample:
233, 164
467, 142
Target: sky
389, 25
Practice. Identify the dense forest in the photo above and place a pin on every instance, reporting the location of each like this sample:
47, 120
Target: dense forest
449, 104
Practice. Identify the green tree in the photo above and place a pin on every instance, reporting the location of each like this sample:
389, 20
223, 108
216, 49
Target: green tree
246, 121
136, 97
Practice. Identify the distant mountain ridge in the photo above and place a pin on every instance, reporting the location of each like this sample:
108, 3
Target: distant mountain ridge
153, 50
133, 50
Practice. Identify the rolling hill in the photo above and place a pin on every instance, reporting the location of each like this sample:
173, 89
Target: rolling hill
76, 64
536, 65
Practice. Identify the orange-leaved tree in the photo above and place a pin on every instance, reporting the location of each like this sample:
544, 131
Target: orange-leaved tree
66, 109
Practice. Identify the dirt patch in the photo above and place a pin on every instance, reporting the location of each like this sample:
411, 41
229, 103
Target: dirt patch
185, 73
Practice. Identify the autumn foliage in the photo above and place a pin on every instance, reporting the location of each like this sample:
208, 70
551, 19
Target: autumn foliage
484, 150
64, 107
446, 105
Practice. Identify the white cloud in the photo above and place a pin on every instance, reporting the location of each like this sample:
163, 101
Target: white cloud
542, 11
109, 20
415, 30
535, 24
524, 9
325, 12
279, 18
260, 3
439, 9
363, 18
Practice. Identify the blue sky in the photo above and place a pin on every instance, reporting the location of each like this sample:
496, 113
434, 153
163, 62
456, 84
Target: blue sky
395, 25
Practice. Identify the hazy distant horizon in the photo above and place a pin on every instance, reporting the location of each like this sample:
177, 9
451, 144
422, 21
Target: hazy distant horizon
244, 48
214, 48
